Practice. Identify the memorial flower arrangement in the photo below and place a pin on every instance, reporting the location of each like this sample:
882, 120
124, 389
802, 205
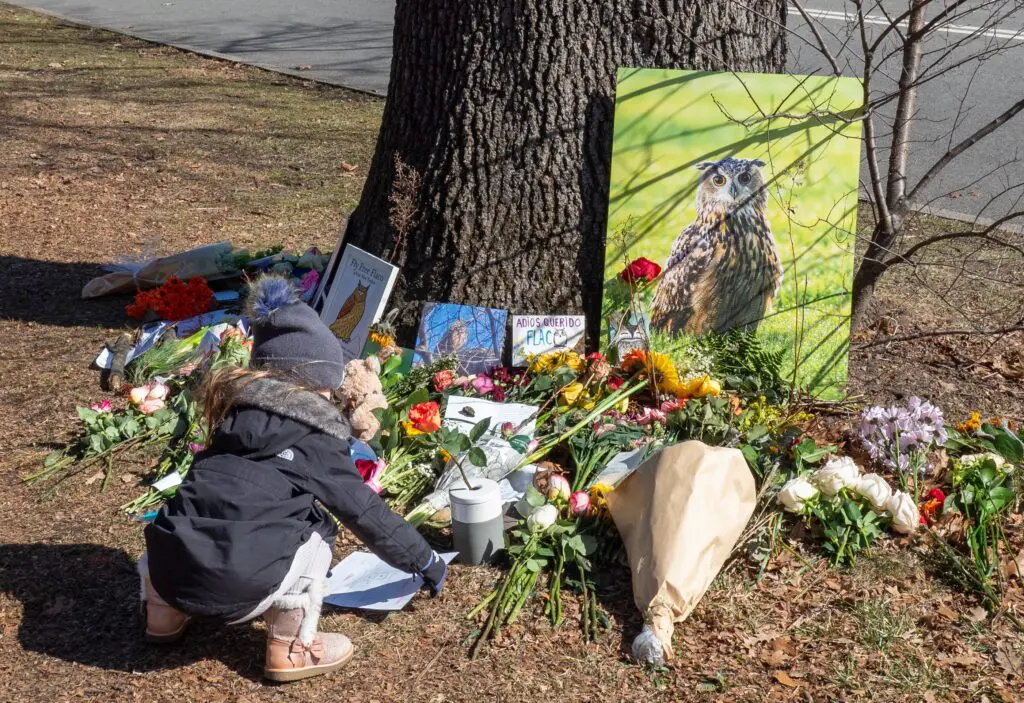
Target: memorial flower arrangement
174, 300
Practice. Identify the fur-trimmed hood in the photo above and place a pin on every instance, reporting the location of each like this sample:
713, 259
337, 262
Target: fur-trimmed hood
295, 403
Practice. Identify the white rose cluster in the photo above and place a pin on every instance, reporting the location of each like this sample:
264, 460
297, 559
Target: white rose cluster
838, 473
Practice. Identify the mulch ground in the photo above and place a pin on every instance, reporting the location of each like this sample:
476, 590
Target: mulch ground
115, 148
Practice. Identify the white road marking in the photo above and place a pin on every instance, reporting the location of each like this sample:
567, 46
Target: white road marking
1009, 34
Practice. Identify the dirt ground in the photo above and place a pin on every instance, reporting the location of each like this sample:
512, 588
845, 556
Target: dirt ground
116, 148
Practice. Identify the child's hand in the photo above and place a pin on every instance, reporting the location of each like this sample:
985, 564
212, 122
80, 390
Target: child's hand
434, 574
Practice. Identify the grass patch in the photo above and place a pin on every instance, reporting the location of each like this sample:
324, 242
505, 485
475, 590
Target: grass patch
879, 625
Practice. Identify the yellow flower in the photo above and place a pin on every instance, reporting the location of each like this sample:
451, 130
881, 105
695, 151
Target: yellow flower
410, 430
381, 339
598, 502
664, 373
444, 455
970, 426
549, 362
574, 395
708, 386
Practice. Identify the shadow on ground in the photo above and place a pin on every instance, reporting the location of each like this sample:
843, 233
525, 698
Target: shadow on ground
81, 604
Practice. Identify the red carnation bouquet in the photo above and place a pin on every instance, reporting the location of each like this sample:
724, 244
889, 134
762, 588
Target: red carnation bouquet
174, 300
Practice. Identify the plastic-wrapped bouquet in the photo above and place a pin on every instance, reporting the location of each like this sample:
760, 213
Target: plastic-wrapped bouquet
900, 437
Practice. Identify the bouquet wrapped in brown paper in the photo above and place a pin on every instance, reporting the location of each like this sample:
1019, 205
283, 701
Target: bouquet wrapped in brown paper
680, 514
207, 261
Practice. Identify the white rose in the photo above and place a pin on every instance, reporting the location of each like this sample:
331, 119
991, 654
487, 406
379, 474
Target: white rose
875, 488
158, 391
542, 518
795, 493
905, 517
837, 473
969, 459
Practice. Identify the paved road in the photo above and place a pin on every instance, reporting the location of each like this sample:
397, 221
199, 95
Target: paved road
348, 42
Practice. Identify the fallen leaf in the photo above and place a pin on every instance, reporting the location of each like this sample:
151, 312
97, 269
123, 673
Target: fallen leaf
94, 478
784, 645
947, 612
773, 658
786, 680
54, 64
347, 167
1009, 661
977, 614
128, 478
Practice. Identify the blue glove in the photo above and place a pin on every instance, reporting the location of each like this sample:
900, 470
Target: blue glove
434, 574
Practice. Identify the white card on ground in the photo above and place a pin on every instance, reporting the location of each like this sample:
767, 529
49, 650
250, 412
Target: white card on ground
456, 417
362, 580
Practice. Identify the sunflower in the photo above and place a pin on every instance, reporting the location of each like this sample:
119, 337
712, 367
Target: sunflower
551, 361
598, 502
657, 367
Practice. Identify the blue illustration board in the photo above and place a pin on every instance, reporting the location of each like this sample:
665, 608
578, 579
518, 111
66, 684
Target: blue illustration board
474, 335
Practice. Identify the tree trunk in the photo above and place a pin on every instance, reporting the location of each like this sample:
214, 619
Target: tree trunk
504, 109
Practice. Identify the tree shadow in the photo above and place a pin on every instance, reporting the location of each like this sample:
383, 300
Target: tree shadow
49, 293
81, 604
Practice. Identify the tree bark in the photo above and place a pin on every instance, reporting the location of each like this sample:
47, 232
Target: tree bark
504, 109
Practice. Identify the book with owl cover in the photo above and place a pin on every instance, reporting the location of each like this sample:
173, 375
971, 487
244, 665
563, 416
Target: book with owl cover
474, 335
356, 297
536, 334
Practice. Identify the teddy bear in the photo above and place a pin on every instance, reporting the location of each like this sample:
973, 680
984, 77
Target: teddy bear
360, 394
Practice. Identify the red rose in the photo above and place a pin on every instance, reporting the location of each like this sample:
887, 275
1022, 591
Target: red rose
499, 373
426, 417
640, 271
936, 494
613, 383
365, 468
498, 394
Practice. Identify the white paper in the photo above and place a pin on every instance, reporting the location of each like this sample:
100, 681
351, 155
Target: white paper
500, 413
537, 334
167, 482
362, 580
150, 333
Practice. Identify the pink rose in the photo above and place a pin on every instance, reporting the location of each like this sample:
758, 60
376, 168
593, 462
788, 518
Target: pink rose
157, 391
196, 447
579, 502
151, 405
650, 416
309, 281
532, 446
371, 471
101, 407
139, 394
558, 487
443, 380
483, 384
507, 429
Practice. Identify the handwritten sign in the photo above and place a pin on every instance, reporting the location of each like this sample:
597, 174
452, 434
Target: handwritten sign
536, 334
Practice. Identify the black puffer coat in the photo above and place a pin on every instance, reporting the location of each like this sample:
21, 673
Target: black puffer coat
227, 539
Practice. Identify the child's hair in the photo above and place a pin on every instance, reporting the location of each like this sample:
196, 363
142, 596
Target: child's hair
220, 390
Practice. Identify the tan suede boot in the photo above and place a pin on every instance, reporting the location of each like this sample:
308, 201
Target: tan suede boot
288, 659
164, 623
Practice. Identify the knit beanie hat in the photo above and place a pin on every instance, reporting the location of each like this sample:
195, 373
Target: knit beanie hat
289, 336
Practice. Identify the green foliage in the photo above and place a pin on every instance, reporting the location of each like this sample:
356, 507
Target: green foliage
400, 389
983, 495
848, 528
745, 364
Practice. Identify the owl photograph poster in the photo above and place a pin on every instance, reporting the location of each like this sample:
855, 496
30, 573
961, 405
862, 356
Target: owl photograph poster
355, 297
474, 335
735, 196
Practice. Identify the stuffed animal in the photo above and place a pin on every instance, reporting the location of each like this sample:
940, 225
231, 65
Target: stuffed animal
360, 394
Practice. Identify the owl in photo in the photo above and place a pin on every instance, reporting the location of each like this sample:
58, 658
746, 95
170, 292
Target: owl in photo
351, 313
454, 339
723, 269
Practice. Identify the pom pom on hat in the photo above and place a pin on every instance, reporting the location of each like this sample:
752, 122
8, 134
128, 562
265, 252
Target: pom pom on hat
269, 294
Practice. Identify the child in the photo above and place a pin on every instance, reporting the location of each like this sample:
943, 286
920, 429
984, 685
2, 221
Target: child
250, 530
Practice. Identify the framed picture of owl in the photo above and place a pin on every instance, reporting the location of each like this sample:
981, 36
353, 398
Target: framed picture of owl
474, 335
738, 193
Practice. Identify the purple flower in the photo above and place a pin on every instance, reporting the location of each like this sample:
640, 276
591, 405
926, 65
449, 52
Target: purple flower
891, 435
196, 447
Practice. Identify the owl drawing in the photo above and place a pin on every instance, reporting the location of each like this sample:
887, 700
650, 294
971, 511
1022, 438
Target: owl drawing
351, 313
454, 338
723, 269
